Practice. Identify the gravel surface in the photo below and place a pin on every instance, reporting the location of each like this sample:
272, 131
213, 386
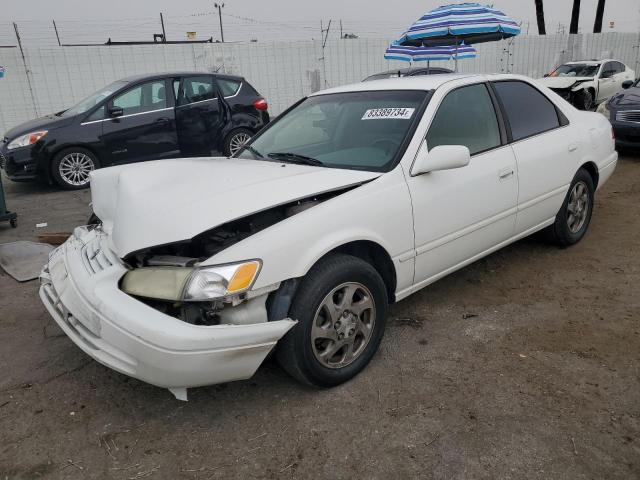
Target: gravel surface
523, 365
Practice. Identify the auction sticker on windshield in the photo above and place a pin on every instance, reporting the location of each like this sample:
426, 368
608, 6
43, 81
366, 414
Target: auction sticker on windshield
388, 113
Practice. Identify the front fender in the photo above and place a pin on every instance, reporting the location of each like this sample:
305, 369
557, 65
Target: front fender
378, 211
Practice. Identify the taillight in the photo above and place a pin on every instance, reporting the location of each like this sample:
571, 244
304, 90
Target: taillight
261, 104
613, 133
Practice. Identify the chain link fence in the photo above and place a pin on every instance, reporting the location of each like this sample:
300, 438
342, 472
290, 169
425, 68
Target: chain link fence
50, 79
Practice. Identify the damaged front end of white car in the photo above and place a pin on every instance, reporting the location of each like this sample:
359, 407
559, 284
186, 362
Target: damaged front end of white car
139, 293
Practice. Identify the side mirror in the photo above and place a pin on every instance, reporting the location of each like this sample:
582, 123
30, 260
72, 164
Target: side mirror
545, 75
442, 157
116, 112
627, 84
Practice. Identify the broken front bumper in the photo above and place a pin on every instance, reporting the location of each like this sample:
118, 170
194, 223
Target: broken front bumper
79, 288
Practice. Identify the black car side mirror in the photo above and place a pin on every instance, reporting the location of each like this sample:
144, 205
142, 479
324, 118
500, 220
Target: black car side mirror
627, 84
116, 112
545, 75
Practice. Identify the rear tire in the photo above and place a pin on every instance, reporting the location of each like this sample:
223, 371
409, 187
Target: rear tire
235, 140
572, 221
341, 308
71, 167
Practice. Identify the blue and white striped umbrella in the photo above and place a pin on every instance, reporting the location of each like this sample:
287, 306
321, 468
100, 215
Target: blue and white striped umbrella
427, 54
454, 24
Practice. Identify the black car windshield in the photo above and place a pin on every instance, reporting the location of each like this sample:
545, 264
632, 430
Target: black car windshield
353, 130
93, 99
575, 70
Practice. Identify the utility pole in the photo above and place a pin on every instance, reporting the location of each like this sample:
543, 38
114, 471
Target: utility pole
164, 34
56, 29
220, 6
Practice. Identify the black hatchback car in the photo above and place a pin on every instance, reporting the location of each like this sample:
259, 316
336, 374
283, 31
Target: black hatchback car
138, 118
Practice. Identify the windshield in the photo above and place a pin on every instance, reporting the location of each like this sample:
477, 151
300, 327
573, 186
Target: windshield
354, 130
93, 99
575, 70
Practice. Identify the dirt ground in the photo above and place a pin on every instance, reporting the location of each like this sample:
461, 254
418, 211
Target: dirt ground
523, 365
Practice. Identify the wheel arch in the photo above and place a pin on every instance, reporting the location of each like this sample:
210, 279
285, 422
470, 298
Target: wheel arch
374, 254
592, 170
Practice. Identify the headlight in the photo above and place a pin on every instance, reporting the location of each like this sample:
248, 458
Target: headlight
26, 140
191, 284
604, 110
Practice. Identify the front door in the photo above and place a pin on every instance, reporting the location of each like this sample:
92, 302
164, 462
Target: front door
607, 85
141, 124
198, 116
461, 213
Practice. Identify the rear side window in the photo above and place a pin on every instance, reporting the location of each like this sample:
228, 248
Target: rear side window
619, 67
466, 117
528, 111
228, 87
197, 89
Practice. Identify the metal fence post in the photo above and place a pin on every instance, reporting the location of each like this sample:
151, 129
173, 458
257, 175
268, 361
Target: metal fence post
26, 69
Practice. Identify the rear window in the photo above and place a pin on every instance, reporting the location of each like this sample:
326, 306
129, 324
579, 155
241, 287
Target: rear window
228, 87
528, 111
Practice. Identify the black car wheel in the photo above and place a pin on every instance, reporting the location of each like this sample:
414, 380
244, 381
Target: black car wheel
236, 140
71, 167
341, 309
584, 100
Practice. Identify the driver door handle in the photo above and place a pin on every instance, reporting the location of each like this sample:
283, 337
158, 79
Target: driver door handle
506, 173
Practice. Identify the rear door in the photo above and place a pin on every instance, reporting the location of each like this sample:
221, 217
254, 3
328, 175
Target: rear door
146, 128
545, 146
198, 115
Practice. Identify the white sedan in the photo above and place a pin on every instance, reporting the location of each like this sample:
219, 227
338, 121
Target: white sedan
588, 83
356, 197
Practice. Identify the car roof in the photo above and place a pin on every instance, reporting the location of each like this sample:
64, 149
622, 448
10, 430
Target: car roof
423, 82
152, 76
405, 70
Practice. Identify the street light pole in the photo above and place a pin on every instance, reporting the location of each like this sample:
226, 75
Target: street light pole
220, 6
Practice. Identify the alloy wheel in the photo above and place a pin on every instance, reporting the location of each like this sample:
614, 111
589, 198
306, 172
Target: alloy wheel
238, 141
343, 324
75, 167
578, 207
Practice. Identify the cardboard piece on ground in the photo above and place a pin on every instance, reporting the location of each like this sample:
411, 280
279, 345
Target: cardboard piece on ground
24, 260
53, 238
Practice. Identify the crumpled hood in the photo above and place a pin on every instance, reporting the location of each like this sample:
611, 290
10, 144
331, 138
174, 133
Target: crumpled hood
155, 203
562, 82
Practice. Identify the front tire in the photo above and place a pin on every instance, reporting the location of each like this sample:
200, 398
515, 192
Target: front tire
572, 221
341, 307
584, 100
236, 140
71, 167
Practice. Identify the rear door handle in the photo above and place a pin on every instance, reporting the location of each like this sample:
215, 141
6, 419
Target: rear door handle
162, 120
573, 147
506, 173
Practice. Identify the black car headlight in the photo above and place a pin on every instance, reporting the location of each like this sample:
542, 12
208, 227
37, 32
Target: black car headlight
26, 139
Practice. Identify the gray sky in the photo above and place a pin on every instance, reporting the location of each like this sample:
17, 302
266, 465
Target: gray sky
93, 20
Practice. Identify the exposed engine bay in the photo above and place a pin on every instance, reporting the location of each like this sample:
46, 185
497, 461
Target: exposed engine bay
207, 244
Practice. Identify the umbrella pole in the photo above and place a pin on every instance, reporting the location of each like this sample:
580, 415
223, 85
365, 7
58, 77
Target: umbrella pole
456, 57
428, 65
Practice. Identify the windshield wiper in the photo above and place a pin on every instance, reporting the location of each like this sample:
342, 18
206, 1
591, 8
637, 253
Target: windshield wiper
295, 158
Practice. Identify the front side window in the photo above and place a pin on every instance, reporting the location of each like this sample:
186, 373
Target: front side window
197, 89
466, 117
353, 130
145, 97
528, 111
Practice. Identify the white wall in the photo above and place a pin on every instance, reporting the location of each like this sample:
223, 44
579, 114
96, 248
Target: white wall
282, 72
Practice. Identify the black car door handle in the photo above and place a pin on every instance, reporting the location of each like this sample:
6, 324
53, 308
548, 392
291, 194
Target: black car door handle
162, 120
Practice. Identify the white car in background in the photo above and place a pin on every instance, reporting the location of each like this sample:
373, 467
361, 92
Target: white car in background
354, 198
588, 83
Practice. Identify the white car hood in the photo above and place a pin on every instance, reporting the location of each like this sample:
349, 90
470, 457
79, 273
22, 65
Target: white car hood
562, 82
165, 201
